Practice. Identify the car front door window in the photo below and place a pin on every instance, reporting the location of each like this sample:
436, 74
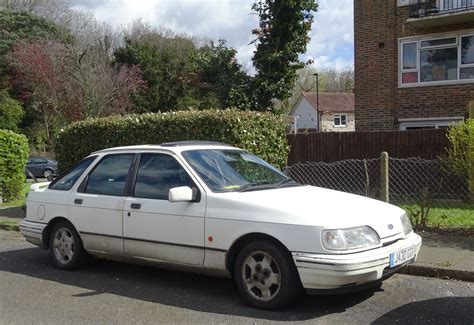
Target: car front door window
110, 175
157, 174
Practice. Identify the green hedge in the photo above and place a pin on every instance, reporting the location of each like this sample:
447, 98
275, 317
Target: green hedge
13, 156
260, 133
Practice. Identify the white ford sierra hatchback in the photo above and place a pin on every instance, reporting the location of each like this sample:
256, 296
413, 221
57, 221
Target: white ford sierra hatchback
210, 207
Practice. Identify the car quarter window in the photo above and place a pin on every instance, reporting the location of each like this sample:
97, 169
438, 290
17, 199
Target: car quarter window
67, 180
110, 175
157, 174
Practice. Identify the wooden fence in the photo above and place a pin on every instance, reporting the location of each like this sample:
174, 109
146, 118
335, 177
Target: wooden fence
335, 146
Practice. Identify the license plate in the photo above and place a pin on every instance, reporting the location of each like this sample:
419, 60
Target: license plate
402, 256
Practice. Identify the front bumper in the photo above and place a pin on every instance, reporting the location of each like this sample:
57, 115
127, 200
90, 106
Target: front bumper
323, 273
33, 232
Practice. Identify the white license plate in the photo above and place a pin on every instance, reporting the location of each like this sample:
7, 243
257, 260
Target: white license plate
402, 256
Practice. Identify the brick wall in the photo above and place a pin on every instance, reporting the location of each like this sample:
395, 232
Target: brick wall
379, 102
327, 122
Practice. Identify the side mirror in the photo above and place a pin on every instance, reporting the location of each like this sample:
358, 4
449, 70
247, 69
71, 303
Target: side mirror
181, 194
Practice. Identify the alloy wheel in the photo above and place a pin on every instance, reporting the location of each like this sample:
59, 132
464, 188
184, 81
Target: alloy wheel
63, 245
261, 276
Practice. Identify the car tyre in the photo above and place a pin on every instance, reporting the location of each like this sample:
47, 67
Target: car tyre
48, 173
65, 247
266, 276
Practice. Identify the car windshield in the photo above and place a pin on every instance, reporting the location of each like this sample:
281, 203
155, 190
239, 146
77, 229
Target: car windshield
226, 170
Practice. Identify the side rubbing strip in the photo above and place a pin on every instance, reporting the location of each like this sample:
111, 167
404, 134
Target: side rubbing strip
153, 241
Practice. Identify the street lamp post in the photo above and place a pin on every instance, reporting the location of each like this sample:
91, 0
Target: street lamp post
317, 100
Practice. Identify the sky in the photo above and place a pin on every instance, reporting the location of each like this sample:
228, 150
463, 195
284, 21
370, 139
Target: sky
332, 35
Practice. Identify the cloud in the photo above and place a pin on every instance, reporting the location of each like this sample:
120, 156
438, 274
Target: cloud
331, 38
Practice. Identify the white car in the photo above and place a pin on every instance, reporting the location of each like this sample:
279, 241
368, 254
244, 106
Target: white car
213, 208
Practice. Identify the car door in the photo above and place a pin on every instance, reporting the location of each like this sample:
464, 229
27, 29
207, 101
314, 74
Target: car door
97, 206
153, 227
34, 166
42, 164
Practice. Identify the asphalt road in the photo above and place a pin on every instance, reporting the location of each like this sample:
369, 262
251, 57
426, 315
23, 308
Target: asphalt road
31, 291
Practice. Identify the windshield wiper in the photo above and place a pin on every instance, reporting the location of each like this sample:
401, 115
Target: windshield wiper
289, 182
286, 180
248, 186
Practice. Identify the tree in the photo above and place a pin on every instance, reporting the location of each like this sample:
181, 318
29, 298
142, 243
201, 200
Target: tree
337, 81
39, 81
64, 84
167, 62
181, 72
17, 26
282, 35
20, 25
11, 112
220, 76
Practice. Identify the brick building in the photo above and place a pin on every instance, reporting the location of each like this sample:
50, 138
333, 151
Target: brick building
414, 63
334, 114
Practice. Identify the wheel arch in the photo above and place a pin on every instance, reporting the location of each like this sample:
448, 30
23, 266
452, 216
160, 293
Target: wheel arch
243, 240
49, 228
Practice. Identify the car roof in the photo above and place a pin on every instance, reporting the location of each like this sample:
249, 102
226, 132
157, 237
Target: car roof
39, 157
171, 146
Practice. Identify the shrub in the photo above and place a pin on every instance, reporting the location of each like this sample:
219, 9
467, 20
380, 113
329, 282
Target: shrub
13, 157
261, 133
458, 156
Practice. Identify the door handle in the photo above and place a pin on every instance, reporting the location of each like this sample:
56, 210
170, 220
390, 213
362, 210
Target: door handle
78, 201
135, 206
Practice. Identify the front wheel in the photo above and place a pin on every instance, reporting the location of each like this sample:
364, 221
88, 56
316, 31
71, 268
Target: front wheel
266, 276
65, 247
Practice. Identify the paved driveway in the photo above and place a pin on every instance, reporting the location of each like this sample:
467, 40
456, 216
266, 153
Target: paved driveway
31, 291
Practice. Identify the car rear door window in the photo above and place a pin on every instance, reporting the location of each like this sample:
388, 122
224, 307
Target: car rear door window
157, 174
67, 180
110, 175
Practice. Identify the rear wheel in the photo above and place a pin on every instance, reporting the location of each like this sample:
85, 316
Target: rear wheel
65, 247
266, 276
48, 173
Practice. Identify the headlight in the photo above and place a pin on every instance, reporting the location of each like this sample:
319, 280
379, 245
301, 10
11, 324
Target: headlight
406, 224
350, 238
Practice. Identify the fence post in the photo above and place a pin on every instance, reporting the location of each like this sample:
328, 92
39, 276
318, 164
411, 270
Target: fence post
384, 175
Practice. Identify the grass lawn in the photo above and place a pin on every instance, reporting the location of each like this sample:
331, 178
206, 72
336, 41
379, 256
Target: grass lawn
9, 225
21, 200
452, 214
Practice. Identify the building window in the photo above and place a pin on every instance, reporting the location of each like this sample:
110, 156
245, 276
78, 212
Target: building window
409, 62
441, 60
429, 123
439, 64
340, 120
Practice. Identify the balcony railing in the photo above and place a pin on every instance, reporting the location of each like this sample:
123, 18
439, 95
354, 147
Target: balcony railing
425, 8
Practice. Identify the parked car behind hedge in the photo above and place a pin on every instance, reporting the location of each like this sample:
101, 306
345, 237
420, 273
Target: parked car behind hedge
42, 167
